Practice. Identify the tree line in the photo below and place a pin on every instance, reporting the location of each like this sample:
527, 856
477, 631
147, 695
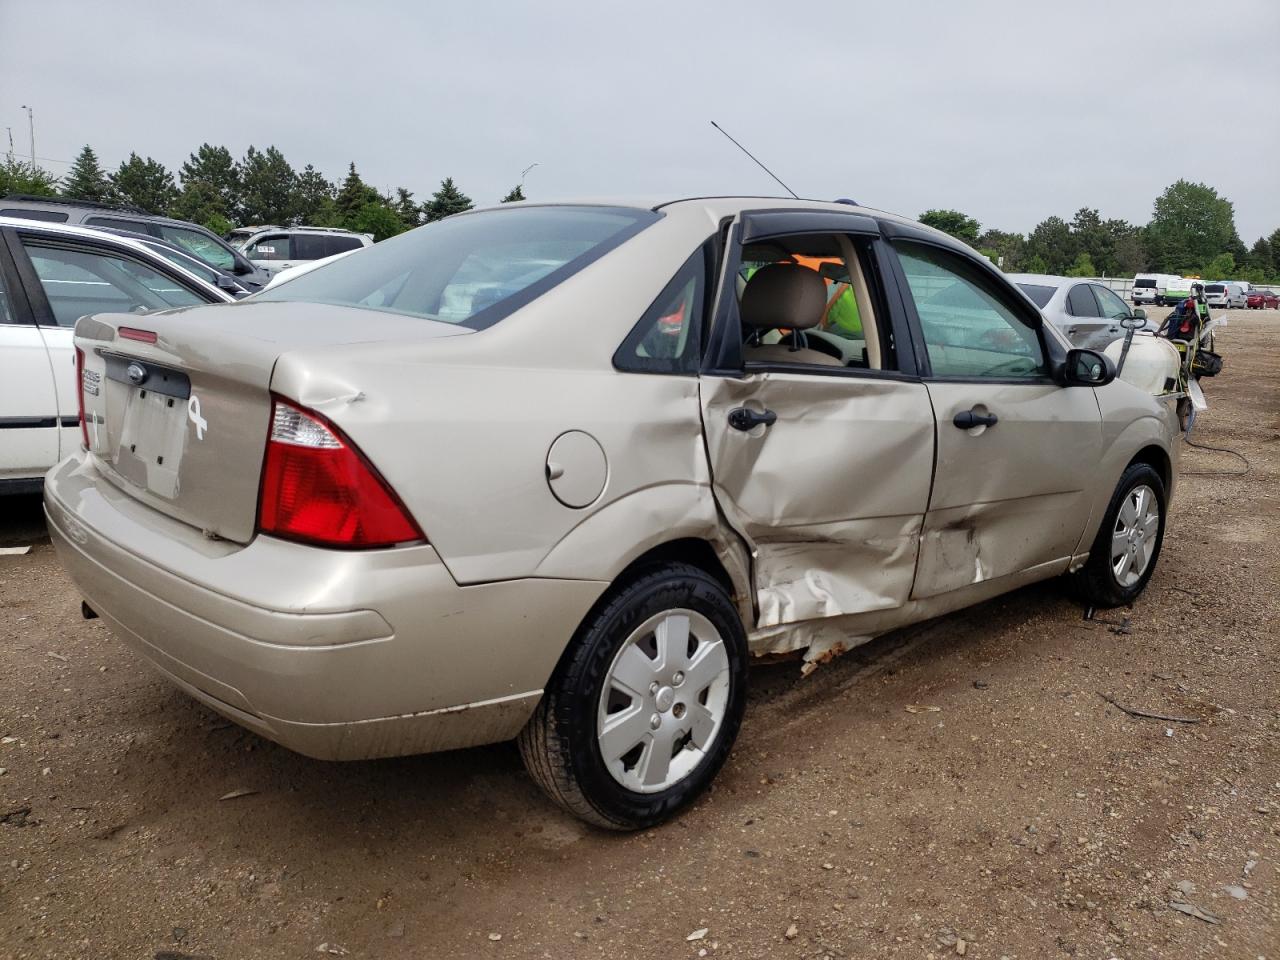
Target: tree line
1192, 232
214, 189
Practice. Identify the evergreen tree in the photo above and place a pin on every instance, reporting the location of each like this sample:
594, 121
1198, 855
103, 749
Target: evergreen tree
1037, 265
445, 202
517, 193
354, 194
86, 179
210, 186
405, 208
1051, 241
267, 185
145, 183
312, 198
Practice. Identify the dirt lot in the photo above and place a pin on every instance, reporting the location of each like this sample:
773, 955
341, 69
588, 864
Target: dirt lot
1025, 815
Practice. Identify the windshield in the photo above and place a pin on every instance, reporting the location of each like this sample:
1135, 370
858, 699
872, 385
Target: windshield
1144, 283
1040, 294
1214, 288
473, 269
204, 246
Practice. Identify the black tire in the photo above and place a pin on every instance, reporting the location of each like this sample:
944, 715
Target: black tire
1096, 583
559, 744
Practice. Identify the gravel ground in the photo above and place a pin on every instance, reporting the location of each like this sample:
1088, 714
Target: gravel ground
1024, 817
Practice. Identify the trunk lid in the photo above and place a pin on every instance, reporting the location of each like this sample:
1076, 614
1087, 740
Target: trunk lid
177, 404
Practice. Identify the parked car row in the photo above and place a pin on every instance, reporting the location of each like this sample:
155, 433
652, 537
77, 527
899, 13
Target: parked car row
555, 472
52, 274
1262, 300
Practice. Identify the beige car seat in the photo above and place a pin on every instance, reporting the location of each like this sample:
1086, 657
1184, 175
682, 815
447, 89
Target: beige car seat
786, 296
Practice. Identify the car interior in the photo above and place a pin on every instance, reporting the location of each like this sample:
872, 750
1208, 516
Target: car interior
806, 300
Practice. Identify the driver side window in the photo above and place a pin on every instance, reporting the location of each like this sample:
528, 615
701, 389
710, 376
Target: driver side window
969, 332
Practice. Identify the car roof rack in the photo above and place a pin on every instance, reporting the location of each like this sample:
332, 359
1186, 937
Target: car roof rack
73, 202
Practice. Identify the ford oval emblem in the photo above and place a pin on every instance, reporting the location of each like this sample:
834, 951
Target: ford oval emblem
136, 373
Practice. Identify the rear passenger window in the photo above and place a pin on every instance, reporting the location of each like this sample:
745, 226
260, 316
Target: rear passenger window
969, 331
309, 246
667, 338
342, 244
50, 216
1080, 301
134, 226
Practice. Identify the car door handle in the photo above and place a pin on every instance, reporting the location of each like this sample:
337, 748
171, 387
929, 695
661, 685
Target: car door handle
745, 419
968, 419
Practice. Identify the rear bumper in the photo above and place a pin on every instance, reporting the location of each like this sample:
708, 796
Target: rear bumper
336, 654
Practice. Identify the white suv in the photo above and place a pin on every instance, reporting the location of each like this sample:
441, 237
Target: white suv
278, 248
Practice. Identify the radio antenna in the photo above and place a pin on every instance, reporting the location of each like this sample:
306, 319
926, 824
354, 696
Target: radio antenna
757, 162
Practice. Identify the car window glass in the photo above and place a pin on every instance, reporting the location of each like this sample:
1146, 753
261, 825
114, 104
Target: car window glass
1081, 303
1039, 293
133, 226
473, 268
666, 338
840, 332
1111, 305
49, 216
6, 312
341, 244
308, 246
78, 282
278, 247
968, 330
200, 245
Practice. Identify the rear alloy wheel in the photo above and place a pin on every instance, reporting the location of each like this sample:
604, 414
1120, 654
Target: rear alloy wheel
1125, 551
645, 705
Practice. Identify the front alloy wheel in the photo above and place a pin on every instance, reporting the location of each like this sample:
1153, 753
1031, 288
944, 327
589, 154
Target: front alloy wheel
1124, 553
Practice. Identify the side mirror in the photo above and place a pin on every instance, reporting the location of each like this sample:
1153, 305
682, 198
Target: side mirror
226, 283
1139, 313
1088, 368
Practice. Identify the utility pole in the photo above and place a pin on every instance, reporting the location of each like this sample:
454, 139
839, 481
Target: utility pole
524, 173
31, 124
10, 129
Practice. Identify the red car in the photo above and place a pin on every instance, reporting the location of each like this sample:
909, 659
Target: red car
1262, 300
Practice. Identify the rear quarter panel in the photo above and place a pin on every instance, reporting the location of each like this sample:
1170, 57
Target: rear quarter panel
461, 428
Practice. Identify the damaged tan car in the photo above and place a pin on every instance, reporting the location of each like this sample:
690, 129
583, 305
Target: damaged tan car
556, 472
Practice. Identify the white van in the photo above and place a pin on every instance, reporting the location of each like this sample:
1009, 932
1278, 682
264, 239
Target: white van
1151, 287
279, 248
1229, 295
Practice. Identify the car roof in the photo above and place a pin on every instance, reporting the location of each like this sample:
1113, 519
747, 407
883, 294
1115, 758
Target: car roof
89, 207
718, 208
1047, 280
75, 231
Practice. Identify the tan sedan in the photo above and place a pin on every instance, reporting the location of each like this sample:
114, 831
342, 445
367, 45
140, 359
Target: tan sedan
556, 472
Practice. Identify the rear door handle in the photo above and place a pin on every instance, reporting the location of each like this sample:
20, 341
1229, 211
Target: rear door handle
968, 419
744, 419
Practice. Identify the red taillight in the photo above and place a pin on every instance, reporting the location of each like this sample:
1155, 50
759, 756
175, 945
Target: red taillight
318, 488
84, 427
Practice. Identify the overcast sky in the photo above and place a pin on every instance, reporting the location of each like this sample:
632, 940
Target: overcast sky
1009, 111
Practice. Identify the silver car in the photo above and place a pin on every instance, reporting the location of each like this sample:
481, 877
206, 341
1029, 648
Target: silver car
1088, 313
557, 472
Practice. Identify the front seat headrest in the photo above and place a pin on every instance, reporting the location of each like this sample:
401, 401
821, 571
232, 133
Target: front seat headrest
786, 295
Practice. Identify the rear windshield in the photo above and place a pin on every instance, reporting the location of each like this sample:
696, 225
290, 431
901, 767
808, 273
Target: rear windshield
1040, 294
1214, 288
1144, 283
473, 269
